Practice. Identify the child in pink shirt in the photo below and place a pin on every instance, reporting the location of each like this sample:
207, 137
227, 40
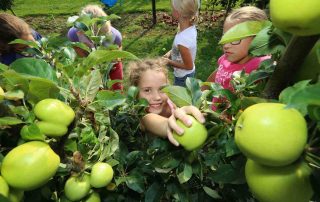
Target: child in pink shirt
236, 56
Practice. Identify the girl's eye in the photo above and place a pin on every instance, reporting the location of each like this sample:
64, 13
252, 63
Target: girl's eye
147, 90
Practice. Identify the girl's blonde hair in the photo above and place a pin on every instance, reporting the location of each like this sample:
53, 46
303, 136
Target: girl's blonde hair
96, 11
187, 8
136, 69
246, 13
11, 28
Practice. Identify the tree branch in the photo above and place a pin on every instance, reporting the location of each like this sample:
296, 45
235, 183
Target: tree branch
290, 62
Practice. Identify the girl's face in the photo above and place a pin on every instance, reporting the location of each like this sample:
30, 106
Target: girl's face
27, 37
150, 83
175, 12
236, 51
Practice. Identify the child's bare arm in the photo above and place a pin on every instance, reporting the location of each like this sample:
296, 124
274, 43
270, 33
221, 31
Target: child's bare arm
187, 62
155, 124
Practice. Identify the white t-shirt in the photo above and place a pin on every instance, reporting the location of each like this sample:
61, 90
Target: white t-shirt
188, 39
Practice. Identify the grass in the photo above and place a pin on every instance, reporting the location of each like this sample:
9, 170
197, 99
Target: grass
140, 37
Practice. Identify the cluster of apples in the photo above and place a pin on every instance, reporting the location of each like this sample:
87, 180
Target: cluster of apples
273, 137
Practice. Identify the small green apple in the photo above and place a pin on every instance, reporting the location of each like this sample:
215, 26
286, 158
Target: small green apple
279, 184
94, 197
1, 94
4, 187
101, 175
271, 134
77, 187
15, 195
193, 137
297, 17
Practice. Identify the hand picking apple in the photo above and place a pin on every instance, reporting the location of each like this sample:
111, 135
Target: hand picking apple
188, 130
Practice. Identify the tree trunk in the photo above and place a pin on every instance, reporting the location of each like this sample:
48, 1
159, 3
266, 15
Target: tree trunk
290, 62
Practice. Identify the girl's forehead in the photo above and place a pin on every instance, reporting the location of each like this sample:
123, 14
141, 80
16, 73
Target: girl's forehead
152, 77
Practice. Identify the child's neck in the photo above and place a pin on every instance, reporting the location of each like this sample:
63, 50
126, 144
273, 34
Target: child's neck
184, 24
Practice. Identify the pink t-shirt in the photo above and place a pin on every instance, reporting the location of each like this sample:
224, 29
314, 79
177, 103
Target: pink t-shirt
226, 69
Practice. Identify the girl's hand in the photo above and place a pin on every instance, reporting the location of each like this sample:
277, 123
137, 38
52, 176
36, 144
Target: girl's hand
181, 114
167, 55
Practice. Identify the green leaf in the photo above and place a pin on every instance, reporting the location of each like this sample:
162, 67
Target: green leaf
31, 132
14, 95
212, 193
32, 44
243, 30
224, 174
90, 85
103, 56
135, 182
7, 121
34, 67
178, 95
154, 192
110, 99
301, 95
70, 145
196, 93
266, 42
166, 162
186, 174
314, 112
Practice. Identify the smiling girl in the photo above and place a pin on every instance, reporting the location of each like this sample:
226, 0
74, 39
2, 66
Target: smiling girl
150, 76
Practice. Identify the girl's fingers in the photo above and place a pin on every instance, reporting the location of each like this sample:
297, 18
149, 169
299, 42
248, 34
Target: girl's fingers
184, 111
173, 126
171, 138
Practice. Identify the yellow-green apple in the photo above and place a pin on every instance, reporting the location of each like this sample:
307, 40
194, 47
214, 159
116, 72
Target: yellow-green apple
193, 137
271, 134
297, 17
101, 175
279, 184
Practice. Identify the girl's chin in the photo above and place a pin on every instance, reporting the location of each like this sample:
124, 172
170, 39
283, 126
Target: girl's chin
154, 110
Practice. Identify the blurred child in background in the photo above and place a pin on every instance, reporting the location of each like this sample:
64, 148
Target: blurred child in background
236, 56
184, 48
12, 28
76, 35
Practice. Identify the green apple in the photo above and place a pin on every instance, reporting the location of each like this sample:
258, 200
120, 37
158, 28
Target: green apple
297, 17
193, 137
94, 197
1, 93
279, 184
101, 175
77, 187
271, 134
15, 195
4, 188
52, 129
55, 111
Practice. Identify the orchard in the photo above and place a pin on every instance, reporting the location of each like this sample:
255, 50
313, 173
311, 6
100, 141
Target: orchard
65, 136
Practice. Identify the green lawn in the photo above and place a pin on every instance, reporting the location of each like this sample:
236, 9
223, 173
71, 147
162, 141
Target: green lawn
139, 36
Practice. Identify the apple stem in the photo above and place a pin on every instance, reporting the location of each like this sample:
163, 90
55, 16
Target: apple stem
289, 63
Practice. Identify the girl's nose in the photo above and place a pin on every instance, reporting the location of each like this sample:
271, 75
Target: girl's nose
157, 95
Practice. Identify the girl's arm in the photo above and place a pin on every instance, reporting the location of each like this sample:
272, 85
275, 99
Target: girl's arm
187, 63
155, 124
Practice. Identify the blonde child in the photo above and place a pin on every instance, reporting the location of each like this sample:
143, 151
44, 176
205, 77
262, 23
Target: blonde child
236, 56
11, 28
150, 75
184, 48
76, 35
